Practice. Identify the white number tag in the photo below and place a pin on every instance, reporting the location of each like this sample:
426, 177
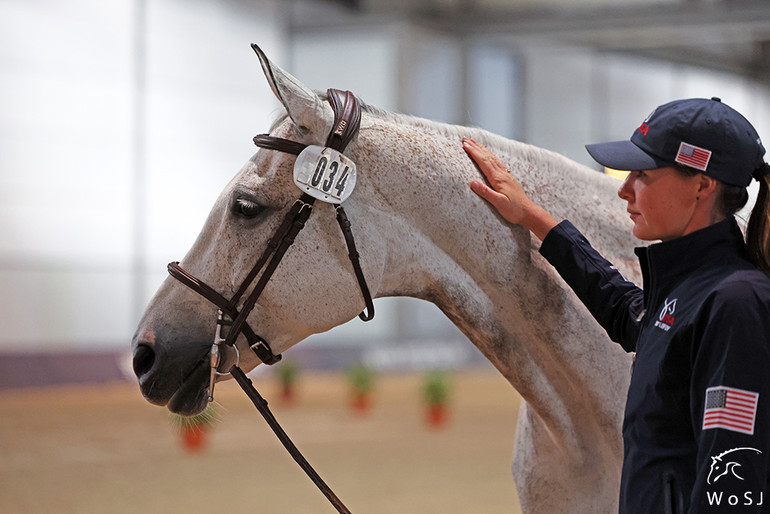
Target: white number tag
325, 174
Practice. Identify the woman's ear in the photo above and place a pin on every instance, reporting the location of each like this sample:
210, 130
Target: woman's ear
707, 186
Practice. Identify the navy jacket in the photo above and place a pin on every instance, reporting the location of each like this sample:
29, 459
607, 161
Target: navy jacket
696, 430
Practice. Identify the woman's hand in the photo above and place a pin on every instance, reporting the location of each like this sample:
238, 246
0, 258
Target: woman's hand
506, 194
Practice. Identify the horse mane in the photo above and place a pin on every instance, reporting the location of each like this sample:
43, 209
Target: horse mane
498, 144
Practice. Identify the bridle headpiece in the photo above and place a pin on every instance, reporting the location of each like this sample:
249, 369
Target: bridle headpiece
327, 180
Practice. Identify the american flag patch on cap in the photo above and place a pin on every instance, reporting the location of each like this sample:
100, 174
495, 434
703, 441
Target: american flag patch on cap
731, 409
693, 156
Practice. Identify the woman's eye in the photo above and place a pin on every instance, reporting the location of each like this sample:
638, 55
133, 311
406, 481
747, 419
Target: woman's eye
246, 208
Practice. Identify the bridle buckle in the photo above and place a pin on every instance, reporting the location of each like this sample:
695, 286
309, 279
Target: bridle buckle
216, 358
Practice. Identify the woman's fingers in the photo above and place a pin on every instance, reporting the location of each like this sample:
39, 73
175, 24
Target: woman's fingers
503, 191
496, 173
487, 161
506, 194
487, 193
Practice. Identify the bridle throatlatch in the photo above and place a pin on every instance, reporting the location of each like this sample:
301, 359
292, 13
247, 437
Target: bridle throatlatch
332, 186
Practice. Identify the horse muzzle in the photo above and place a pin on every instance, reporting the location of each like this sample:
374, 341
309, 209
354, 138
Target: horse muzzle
173, 373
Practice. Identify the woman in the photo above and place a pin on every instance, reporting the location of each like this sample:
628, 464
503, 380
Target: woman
696, 428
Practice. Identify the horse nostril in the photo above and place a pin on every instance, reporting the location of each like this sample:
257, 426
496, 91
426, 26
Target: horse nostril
144, 358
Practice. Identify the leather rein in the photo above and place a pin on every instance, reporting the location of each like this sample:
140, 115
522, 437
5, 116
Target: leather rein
347, 120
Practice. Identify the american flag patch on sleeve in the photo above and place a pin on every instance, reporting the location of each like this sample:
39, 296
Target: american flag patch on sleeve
731, 409
693, 156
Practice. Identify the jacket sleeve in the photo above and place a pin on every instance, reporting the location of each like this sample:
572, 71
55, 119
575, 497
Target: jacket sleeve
614, 302
730, 398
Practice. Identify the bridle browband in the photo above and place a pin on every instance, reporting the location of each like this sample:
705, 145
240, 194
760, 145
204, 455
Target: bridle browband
347, 121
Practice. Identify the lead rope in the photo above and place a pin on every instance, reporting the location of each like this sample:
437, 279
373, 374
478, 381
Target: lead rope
261, 405
347, 119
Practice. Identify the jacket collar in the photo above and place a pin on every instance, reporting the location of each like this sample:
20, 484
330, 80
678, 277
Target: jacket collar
664, 265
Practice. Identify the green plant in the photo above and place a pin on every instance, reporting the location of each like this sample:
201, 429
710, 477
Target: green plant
436, 388
288, 372
436, 393
361, 379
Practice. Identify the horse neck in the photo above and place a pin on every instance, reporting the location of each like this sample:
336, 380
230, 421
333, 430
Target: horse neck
418, 177
449, 247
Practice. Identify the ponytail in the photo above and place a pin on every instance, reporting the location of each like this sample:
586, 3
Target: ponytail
758, 228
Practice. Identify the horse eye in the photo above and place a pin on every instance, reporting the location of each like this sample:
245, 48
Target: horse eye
245, 208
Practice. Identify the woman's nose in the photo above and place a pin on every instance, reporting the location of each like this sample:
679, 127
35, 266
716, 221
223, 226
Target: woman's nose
625, 191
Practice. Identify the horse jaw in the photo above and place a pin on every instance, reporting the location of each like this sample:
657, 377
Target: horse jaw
306, 109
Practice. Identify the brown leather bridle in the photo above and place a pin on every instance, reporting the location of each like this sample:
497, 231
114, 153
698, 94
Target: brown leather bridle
346, 124
347, 121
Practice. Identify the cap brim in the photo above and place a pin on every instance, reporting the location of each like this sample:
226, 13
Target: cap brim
625, 156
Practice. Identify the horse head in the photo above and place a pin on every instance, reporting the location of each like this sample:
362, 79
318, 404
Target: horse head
312, 290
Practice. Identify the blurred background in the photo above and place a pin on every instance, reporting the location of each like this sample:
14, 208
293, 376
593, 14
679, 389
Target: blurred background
121, 121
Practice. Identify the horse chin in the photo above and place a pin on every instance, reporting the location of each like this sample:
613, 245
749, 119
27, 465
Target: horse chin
192, 396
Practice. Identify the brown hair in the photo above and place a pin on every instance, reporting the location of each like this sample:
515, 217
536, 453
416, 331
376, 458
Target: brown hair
731, 199
758, 229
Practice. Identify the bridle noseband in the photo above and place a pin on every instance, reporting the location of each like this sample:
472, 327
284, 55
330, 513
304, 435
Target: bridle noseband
347, 121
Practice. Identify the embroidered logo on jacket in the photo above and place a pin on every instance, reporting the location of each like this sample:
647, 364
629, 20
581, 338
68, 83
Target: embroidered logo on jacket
730, 409
727, 477
725, 464
666, 317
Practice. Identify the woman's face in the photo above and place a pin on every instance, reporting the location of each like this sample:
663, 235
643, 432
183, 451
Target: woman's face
662, 203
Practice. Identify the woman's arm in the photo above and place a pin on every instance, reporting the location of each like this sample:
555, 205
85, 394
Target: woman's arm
615, 303
729, 396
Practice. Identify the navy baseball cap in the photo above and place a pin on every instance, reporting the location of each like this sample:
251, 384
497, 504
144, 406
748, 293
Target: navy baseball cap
706, 135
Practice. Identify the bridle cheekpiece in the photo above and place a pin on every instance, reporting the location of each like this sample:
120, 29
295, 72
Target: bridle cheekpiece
327, 180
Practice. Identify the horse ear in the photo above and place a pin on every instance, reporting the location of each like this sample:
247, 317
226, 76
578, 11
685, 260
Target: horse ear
306, 109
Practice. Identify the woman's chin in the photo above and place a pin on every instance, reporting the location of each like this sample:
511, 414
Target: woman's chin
643, 234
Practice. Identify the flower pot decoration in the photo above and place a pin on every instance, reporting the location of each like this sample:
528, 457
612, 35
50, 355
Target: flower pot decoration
194, 430
288, 373
436, 394
361, 381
